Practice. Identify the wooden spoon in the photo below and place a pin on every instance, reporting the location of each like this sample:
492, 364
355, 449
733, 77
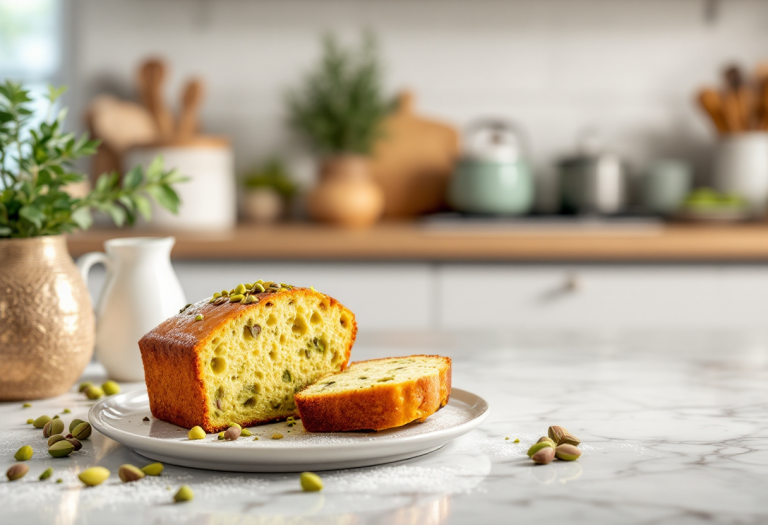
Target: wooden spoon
712, 103
738, 100
151, 78
191, 100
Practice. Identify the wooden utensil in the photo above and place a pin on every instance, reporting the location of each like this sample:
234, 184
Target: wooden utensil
191, 100
414, 161
711, 101
151, 79
738, 100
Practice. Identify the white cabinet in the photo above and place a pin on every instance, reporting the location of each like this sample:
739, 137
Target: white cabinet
455, 296
598, 297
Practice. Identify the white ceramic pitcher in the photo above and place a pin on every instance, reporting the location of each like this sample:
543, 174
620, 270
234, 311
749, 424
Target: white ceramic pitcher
140, 292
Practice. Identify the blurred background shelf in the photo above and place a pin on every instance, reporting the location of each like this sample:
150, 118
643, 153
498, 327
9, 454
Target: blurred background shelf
427, 242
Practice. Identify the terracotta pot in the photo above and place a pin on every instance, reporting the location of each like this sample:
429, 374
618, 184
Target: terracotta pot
262, 205
46, 319
347, 194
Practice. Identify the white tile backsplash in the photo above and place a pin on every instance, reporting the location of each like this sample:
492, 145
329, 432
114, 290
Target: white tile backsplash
628, 68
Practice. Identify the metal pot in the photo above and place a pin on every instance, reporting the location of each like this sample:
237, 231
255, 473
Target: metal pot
593, 184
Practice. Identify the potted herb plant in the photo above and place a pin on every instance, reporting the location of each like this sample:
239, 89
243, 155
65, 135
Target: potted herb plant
46, 319
339, 111
268, 189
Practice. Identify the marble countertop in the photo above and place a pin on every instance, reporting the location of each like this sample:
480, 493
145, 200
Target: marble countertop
674, 430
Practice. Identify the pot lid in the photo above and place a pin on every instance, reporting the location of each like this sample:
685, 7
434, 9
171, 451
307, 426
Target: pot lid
492, 140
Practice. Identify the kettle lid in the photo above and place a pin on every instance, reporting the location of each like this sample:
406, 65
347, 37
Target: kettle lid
493, 140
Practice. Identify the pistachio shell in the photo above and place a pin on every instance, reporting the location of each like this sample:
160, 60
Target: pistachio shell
567, 452
538, 446
184, 494
232, 433
84, 385
544, 455
24, 453
556, 433
94, 476
75, 443
74, 423
53, 427
61, 449
111, 388
196, 433
55, 438
153, 469
41, 421
93, 393
82, 431
310, 482
17, 471
129, 473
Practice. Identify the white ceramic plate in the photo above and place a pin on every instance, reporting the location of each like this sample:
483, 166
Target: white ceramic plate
121, 417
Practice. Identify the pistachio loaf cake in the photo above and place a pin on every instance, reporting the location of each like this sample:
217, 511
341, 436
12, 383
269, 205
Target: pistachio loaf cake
241, 355
377, 394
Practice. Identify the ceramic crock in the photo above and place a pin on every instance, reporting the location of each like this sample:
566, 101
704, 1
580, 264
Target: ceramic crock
493, 176
46, 319
347, 194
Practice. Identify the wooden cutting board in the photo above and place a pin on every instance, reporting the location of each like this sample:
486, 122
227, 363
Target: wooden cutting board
414, 161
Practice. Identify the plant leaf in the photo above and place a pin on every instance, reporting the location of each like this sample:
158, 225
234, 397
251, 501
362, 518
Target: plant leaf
34, 215
82, 217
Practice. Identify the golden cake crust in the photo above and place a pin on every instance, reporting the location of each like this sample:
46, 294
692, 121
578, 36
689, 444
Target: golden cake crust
173, 370
379, 407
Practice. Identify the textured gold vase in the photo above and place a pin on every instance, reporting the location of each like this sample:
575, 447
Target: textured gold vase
46, 319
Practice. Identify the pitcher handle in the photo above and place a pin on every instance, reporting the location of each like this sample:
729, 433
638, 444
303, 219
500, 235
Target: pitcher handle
86, 262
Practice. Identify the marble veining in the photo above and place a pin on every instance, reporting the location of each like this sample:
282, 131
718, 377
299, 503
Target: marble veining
674, 429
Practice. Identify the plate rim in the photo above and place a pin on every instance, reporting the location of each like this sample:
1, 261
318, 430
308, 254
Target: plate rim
137, 441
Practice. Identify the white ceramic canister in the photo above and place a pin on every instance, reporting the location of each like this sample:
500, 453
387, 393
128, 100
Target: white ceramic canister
140, 292
741, 167
208, 198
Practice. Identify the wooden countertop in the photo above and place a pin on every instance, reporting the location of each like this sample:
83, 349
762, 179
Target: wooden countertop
415, 242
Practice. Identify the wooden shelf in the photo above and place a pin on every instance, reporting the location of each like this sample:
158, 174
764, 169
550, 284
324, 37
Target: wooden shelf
414, 242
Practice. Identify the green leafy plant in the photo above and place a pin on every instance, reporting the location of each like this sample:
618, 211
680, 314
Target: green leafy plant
271, 175
36, 165
340, 107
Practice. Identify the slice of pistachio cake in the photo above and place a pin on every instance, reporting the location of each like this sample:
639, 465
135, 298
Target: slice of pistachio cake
241, 355
377, 394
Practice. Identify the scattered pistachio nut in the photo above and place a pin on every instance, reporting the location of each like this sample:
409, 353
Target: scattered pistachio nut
75, 443
24, 453
184, 494
235, 425
53, 427
556, 433
570, 439
538, 446
30, 421
567, 452
129, 473
56, 416
47, 473
245, 433
94, 476
251, 299
196, 433
74, 423
199, 317
506, 438
256, 438
61, 449
55, 438
548, 440
59, 480
82, 431
66, 411
236, 298
277, 435
145, 419
41, 421
17, 471
543, 456
232, 433
84, 385
153, 469
26, 405
310, 482
221, 435
239, 289
516, 440
111, 388
93, 393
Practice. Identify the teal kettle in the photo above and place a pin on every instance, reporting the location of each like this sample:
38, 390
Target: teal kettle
493, 176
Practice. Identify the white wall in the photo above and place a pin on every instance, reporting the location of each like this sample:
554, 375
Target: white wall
627, 67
